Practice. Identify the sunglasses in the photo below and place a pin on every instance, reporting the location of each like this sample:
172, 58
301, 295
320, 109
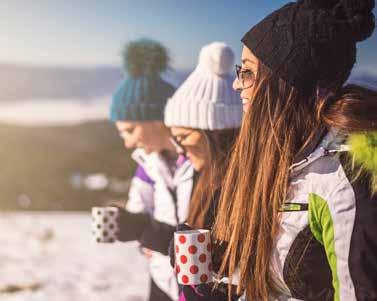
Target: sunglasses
245, 76
177, 144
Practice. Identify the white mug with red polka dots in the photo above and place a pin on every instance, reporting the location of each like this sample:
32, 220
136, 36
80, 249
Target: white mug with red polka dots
104, 224
193, 262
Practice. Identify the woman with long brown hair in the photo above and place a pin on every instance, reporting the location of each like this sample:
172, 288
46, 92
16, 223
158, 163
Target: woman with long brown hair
298, 209
204, 115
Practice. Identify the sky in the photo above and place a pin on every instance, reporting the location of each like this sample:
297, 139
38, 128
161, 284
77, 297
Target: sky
92, 32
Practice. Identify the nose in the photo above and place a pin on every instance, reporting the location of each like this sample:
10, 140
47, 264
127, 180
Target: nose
128, 144
237, 85
180, 150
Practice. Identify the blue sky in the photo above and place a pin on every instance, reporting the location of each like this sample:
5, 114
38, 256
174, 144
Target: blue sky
92, 32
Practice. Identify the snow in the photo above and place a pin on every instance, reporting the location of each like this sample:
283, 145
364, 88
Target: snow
54, 256
96, 181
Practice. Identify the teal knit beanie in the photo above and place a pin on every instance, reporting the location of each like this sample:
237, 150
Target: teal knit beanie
143, 94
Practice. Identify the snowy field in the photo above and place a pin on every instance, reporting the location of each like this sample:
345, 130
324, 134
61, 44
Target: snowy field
51, 257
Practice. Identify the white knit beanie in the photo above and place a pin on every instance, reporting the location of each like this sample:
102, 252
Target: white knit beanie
206, 100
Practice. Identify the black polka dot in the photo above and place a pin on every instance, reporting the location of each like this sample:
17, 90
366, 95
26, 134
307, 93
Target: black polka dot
105, 219
99, 212
111, 240
98, 226
111, 226
105, 233
111, 213
98, 239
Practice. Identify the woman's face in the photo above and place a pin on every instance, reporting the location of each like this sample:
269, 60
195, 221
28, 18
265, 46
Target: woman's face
248, 75
151, 136
193, 144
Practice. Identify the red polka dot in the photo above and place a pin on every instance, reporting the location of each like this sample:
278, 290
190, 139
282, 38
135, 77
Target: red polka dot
204, 278
203, 258
201, 238
183, 259
177, 269
176, 249
182, 239
209, 247
194, 269
185, 279
210, 267
192, 249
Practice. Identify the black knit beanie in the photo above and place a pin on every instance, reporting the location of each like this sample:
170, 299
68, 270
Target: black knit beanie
311, 44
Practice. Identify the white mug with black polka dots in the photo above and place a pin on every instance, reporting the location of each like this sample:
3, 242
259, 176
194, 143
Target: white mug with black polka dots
193, 261
104, 224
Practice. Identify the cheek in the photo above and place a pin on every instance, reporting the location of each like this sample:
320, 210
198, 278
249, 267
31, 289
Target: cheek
197, 162
247, 93
148, 137
138, 136
195, 154
247, 99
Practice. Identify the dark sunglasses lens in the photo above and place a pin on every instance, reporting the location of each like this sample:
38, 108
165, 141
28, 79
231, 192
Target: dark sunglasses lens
238, 70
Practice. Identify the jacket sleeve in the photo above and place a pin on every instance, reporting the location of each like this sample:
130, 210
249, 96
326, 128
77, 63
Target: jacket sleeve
156, 236
136, 216
150, 233
131, 225
346, 224
363, 251
207, 292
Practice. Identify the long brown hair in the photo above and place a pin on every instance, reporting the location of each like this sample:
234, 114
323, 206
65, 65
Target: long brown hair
219, 144
276, 128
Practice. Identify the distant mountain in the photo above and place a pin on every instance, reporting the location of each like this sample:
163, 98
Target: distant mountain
29, 82
25, 82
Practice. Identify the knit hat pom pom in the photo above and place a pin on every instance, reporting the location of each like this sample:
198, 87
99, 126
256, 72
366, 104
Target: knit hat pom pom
362, 26
359, 17
352, 7
145, 57
357, 6
356, 13
216, 58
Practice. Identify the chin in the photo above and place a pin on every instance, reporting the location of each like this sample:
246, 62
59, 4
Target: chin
148, 150
246, 107
128, 146
198, 166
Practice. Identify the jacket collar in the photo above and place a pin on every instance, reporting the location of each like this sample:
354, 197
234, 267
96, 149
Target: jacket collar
158, 169
334, 141
320, 135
